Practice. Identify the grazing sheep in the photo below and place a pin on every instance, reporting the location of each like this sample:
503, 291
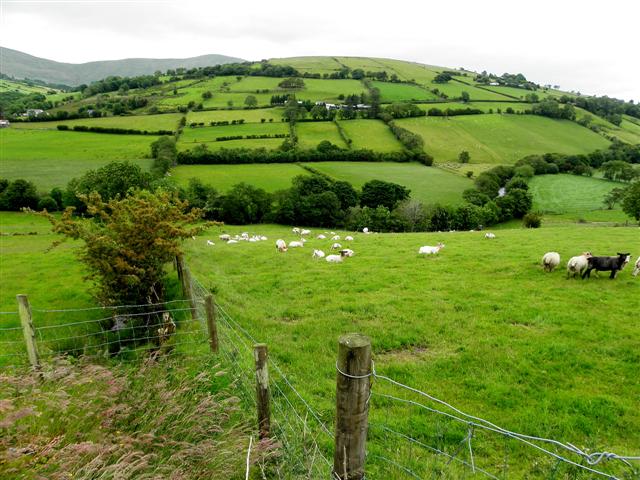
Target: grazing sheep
296, 244
365, 230
225, 237
428, 250
636, 270
263, 238
295, 230
209, 242
305, 232
317, 254
335, 237
334, 258
489, 235
577, 265
347, 252
231, 242
336, 246
281, 245
321, 237
605, 264
349, 238
550, 261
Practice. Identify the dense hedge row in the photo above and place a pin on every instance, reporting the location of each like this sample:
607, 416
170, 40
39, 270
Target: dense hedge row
452, 112
251, 137
118, 131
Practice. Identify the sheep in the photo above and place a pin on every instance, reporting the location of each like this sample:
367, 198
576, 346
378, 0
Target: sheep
281, 245
336, 246
225, 237
604, 264
209, 242
349, 238
428, 250
636, 270
296, 244
578, 264
550, 261
365, 230
489, 235
231, 242
347, 252
305, 232
295, 230
335, 237
317, 254
321, 237
263, 238
254, 240
334, 258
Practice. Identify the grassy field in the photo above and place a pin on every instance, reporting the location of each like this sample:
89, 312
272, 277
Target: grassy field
11, 86
371, 134
52, 158
484, 106
268, 143
570, 193
272, 177
168, 121
501, 138
310, 134
466, 330
401, 92
427, 184
249, 116
209, 134
328, 90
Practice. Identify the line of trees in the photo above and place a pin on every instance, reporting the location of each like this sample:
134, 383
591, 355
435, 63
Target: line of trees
114, 130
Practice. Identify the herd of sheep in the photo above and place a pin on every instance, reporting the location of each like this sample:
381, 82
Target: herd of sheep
581, 265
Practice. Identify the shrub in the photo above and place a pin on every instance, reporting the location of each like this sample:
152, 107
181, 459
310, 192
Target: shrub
47, 203
19, 194
532, 220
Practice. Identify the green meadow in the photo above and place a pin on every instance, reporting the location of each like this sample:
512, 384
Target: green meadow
310, 134
21, 87
501, 138
167, 121
209, 134
370, 134
402, 92
254, 115
252, 143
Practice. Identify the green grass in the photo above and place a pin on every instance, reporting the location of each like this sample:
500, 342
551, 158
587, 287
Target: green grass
427, 184
570, 193
309, 64
480, 326
249, 116
371, 134
310, 134
11, 86
271, 177
249, 85
253, 143
484, 106
209, 134
167, 121
52, 158
501, 138
401, 92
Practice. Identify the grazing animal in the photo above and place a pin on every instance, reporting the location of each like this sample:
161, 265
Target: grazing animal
281, 245
295, 230
317, 254
550, 261
296, 244
428, 250
577, 265
336, 246
636, 270
347, 252
349, 238
365, 230
305, 232
209, 242
605, 264
263, 238
321, 237
225, 237
232, 241
489, 235
334, 258
335, 237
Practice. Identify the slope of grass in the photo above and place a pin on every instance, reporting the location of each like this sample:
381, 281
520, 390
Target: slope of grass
399, 92
310, 134
484, 106
167, 121
370, 134
427, 184
209, 134
20, 87
254, 115
501, 138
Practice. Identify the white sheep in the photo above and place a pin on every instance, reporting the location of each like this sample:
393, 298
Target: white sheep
263, 238
334, 258
336, 246
296, 244
636, 270
305, 232
365, 230
254, 239
295, 230
489, 235
209, 242
281, 245
577, 265
550, 261
428, 250
231, 242
347, 252
335, 237
225, 237
317, 254
349, 238
321, 237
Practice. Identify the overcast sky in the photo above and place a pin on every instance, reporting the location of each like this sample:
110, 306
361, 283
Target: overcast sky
587, 46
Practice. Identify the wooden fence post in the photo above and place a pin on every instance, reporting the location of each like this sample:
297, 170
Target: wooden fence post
353, 385
262, 390
28, 331
184, 275
180, 270
210, 308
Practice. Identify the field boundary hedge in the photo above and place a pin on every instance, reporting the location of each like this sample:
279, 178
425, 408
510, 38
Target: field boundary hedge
113, 130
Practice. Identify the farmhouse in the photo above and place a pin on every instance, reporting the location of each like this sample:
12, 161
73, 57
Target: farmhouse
4, 124
33, 112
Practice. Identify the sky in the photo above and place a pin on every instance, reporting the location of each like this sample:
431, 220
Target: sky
587, 46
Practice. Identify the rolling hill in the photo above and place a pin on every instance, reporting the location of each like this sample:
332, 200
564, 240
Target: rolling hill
22, 65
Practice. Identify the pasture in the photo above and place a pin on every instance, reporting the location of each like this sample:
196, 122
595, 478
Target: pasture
22, 87
254, 115
480, 325
209, 134
402, 92
370, 134
52, 158
310, 134
427, 184
167, 121
501, 138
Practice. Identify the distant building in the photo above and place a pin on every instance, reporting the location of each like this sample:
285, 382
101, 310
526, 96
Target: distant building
494, 84
4, 124
33, 112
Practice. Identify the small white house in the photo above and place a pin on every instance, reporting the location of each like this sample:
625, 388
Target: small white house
4, 124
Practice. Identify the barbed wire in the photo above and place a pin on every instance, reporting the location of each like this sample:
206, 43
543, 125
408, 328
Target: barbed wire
106, 307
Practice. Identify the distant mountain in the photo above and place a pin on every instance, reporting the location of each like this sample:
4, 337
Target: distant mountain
21, 65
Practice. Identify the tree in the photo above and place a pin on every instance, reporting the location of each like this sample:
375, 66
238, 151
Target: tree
251, 101
318, 112
442, 77
631, 200
19, 194
207, 95
465, 97
292, 82
613, 197
128, 242
245, 204
464, 157
378, 192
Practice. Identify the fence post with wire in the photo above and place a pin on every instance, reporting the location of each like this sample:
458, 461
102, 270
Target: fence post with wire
262, 390
28, 331
212, 327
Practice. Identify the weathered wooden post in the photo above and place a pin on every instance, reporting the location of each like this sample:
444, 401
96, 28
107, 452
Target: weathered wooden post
262, 390
212, 327
184, 275
28, 331
180, 271
353, 385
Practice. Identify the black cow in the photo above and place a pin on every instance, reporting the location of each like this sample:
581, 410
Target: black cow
602, 264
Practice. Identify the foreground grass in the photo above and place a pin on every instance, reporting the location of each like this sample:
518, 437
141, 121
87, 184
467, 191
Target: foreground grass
480, 325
